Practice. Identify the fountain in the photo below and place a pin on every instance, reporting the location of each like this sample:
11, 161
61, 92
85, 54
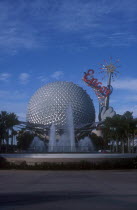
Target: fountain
66, 142
63, 144
70, 128
37, 145
85, 145
52, 139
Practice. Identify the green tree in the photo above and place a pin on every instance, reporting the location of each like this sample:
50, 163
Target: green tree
120, 128
7, 121
24, 139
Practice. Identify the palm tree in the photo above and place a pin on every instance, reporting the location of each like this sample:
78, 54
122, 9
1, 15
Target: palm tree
24, 139
120, 128
7, 121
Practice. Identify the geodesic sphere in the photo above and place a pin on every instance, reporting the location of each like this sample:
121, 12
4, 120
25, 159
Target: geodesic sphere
49, 104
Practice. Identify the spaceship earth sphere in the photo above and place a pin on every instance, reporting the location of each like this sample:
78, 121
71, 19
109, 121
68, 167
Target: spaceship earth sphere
49, 103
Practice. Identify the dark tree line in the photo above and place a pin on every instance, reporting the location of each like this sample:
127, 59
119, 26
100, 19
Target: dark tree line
24, 139
7, 123
7, 132
120, 129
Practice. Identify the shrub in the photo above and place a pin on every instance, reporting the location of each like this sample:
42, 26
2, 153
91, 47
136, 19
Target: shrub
4, 164
127, 163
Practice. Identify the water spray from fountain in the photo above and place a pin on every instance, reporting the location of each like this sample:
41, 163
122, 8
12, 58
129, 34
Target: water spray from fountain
66, 142
52, 139
85, 145
37, 145
70, 128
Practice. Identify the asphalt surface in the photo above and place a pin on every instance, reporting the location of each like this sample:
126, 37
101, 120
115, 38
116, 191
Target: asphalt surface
116, 189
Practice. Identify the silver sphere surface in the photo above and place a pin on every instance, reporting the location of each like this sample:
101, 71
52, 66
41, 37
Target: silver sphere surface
49, 103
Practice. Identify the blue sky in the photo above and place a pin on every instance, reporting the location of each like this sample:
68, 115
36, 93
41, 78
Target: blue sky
44, 41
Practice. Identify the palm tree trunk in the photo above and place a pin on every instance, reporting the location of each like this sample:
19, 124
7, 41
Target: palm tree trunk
123, 146
113, 146
0, 144
133, 144
116, 144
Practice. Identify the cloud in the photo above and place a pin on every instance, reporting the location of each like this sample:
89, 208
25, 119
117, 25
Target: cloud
131, 98
24, 78
15, 32
30, 24
123, 108
9, 95
43, 79
126, 98
104, 39
79, 15
3, 93
4, 77
126, 84
57, 75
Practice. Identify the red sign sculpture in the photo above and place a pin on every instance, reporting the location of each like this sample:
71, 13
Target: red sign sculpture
101, 91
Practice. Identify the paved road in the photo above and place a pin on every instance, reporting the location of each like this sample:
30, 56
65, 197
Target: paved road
68, 190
